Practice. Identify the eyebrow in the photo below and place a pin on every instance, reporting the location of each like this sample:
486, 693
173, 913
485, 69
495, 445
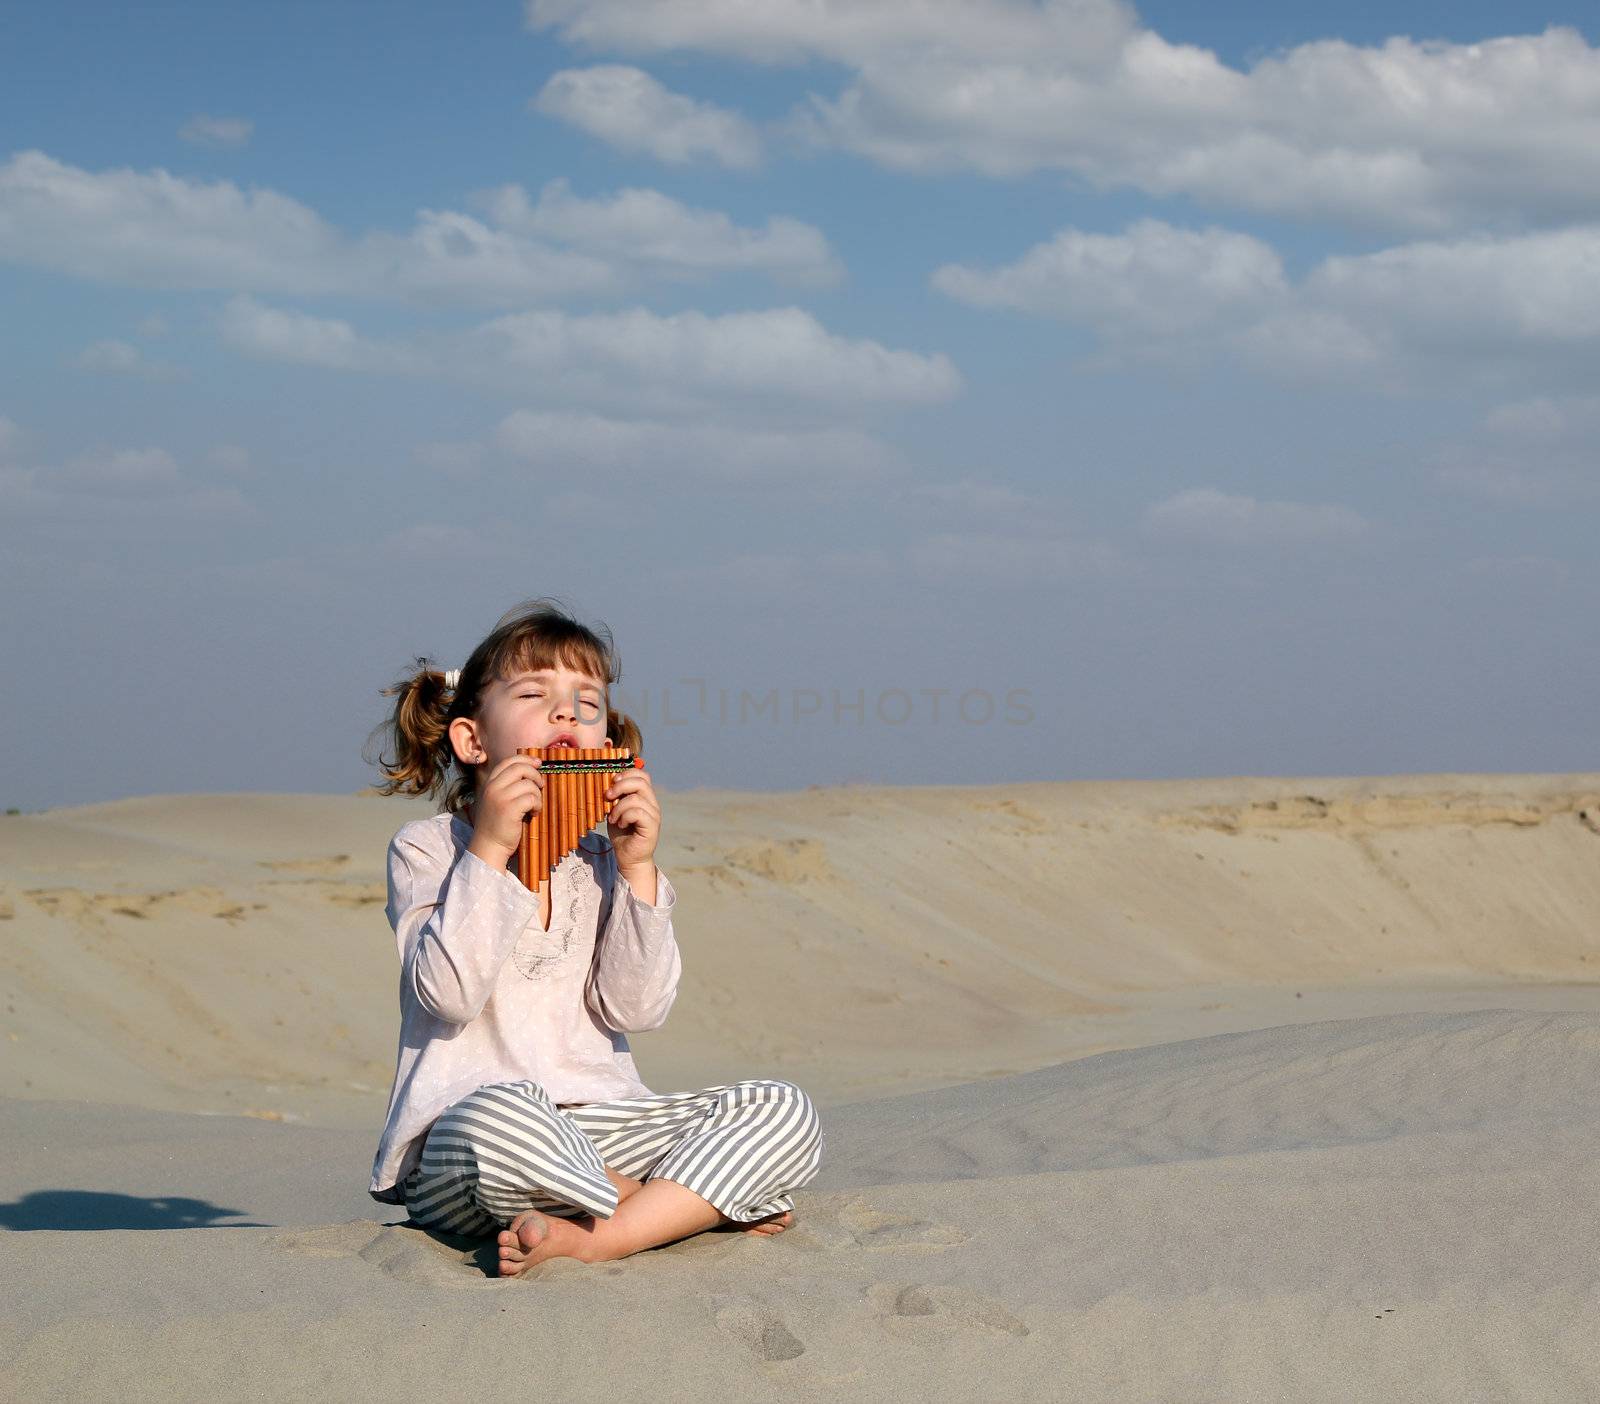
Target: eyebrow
548, 673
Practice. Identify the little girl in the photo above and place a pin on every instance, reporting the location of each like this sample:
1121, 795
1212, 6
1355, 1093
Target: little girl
516, 1105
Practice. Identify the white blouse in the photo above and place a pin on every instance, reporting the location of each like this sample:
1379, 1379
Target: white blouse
487, 995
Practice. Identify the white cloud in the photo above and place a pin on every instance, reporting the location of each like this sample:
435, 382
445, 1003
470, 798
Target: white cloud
160, 230
853, 32
1529, 453
782, 352
655, 232
1313, 343
201, 130
274, 334
1158, 291
1151, 283
650, 362
121, 358
1539, 288
1206, 515
573, 448
452, 257
1423, 136
1522, 305
108, 486
154, 229
628, 109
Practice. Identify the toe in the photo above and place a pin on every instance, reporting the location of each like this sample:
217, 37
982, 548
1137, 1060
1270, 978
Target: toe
530, 1230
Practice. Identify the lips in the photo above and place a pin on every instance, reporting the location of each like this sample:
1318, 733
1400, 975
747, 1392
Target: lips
564, 738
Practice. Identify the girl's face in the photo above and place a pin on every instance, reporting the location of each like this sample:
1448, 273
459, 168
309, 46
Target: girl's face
541, 708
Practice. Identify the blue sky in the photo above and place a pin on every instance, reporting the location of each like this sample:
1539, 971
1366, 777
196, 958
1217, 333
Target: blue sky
1218, 384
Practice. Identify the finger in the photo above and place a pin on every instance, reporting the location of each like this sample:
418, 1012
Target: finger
516, 758
514, 787
636, 820
533, 779
513, 766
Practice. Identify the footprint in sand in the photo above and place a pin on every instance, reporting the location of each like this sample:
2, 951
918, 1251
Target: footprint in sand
351, 893
83, 906
875, 1229
895, 1301
758, 1328
330, 1241
315, 867
859, 1225
409, 1254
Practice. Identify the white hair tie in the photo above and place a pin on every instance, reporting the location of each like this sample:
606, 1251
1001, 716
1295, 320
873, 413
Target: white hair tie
452, 679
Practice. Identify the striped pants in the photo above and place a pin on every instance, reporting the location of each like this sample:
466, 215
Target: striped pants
507, 1147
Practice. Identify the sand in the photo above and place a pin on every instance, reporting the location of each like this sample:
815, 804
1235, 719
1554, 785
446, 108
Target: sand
1215, 1089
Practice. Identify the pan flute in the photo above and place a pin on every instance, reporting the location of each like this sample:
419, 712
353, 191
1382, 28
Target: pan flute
575, 782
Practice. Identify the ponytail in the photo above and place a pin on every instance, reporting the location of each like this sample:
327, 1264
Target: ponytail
417, 733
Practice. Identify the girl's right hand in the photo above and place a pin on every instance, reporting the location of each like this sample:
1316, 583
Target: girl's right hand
514, 789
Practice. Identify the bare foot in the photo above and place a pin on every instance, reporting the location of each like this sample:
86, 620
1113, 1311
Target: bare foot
532, 1238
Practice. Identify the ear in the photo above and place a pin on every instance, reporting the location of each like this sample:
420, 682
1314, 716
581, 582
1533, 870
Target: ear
466, 742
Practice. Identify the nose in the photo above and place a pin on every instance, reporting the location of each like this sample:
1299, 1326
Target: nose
564, 707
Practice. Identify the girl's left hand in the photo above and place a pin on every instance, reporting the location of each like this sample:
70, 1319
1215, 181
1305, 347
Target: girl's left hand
634, 823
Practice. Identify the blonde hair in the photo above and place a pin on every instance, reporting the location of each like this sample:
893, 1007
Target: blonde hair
414, 750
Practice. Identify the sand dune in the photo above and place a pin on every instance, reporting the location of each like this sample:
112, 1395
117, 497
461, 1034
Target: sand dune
1253, 1194
1372, 1209
901, 938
